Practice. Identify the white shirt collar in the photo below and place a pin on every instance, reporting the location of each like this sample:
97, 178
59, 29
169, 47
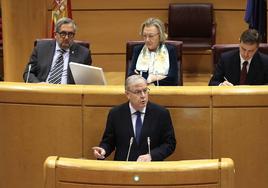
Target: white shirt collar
133, 110
242, 61
58, 47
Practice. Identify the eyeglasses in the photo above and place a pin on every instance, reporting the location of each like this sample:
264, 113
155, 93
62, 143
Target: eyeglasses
140, 92
150, 36
63, 34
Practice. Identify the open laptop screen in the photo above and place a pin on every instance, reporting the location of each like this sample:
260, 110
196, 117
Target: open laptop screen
87, 75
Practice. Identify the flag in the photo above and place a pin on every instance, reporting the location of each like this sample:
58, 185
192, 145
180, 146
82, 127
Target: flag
256, 17
60, 9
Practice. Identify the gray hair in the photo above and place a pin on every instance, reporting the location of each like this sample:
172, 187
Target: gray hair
158, 24
250, 36
62, 21
134, 79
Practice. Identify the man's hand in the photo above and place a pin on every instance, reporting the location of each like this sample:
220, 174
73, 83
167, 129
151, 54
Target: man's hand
226, 83
99, 152
144, 158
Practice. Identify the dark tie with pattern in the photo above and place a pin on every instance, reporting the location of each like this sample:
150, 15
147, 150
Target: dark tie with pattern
56, 72
138, 126
243, 73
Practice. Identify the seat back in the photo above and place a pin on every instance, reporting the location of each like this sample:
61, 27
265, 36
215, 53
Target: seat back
192, 23
82, 43
218, 49
76, 173
178, 44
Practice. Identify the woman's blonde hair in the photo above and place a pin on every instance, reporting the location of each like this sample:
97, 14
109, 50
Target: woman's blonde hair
158, 24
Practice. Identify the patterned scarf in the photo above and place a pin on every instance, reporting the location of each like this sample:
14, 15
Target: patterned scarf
156, 63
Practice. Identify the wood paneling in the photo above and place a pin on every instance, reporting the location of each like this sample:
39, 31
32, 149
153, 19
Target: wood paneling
149, 4
108, 31
198, 98
46, 94
240, 96
118, 78
241, 134
23, 22
115, 78
94, 123
240, 131
91, 96
110, 62
101, 28
197, 62
230, 25
193, 135
30, 133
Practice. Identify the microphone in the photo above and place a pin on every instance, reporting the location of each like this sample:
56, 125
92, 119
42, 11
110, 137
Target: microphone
28, 74
129, 147
149, 143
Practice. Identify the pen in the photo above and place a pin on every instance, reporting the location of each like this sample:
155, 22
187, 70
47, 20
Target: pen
227, 80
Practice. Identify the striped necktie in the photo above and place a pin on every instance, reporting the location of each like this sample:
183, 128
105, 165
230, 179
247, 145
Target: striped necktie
56, 72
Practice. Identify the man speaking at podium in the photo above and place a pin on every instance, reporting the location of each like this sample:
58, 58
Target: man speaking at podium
137, 130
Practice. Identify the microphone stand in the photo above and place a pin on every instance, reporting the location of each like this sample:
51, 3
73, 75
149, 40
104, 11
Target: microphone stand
149, 145
28, 74
129, 148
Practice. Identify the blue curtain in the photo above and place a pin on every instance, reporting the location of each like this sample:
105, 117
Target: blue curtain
256, 17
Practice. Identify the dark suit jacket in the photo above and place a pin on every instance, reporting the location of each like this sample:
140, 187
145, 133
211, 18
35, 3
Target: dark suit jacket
42, 56
172, 77
157, 125
229, 66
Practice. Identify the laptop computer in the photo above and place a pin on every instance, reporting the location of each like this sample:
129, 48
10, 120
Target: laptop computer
87, 75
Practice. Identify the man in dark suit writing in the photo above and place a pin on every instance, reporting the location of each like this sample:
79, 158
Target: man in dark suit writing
246, 66
50, 59
137, 130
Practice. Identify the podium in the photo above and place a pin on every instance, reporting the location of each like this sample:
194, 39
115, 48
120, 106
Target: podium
81, 173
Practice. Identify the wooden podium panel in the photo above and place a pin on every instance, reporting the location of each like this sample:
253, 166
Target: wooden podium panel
94, 125
28, 138
193, 133
191, 117
36, 123
241, 134
77, 173
240, 117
